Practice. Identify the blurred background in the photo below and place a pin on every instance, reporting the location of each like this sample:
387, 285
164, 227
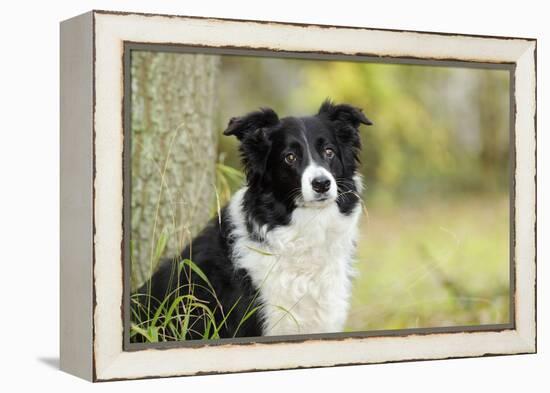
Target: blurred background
434, 244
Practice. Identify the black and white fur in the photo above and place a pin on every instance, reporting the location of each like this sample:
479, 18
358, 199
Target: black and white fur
285, 242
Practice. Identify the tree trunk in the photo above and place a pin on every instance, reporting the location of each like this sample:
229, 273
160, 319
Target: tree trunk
174, 147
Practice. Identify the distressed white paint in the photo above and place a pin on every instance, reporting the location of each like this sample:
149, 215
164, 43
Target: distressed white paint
526, 196
112, 362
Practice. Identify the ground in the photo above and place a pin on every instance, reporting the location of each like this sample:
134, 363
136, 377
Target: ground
443, 263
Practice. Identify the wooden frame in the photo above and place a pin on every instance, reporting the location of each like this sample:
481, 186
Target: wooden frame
92, 156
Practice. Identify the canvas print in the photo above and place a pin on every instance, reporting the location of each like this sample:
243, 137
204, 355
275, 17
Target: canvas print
275, 196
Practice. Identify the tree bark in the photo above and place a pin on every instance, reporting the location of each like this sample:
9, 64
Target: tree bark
174, 148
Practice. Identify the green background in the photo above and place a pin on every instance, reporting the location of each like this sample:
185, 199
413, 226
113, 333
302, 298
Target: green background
434, 243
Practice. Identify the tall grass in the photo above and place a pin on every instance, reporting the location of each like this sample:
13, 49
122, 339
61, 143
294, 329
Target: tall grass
183, 314
175, 317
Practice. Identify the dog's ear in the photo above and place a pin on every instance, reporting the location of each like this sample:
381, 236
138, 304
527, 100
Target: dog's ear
255, 146
344, 113
246, 125
345, 120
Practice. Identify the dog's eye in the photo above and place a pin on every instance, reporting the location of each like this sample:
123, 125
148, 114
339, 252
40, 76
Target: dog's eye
329, 153
290, 158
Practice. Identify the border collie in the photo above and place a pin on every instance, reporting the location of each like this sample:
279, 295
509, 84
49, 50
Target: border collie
284, 244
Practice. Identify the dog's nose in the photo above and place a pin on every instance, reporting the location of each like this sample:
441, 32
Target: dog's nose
320, 184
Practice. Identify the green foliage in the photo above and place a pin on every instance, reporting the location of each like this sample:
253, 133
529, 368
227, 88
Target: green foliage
429, 124
228, 180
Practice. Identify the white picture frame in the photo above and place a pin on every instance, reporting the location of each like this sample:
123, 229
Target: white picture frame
92, 195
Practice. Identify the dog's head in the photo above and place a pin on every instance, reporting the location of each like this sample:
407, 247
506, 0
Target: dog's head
303, 161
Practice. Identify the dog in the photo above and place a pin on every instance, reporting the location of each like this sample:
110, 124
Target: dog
279, 257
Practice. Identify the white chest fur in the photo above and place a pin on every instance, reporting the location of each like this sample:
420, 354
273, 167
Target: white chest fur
303, 271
